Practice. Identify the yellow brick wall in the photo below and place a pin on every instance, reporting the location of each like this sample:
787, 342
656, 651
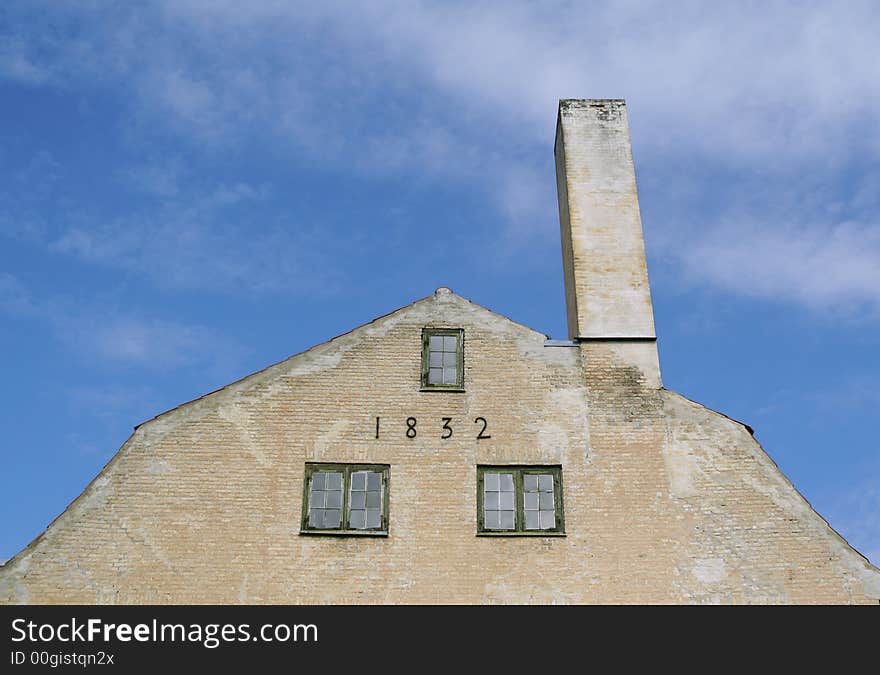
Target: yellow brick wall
664, 500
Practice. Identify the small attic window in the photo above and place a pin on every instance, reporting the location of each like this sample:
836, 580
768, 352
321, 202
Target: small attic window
443, 359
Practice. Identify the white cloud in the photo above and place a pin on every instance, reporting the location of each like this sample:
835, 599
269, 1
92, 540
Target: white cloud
192, 237
147, 342
835, 267
856, 509
109, 401
122, 339
467, 92
14, 297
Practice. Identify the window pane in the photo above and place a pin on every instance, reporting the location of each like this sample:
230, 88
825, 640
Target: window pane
507, 500
318, 481
359, 480
358, 500
435, 359
450, 343
435, 343
506, 482
374, 500
491, 480
545, 482
548, 520
373, 519
334, 481
491, 501
506, 520
435, 376
449, 360
449, 375
316, 518
532, 522
492, 520
530, 482
546, 500
331, 518
316, 499
333, 499
530, 501
374, 481
357, 519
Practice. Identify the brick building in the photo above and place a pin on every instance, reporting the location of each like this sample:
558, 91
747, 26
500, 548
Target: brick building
446, 454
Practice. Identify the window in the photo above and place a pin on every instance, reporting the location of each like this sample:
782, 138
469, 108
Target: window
345, 499
443, 358
519, 500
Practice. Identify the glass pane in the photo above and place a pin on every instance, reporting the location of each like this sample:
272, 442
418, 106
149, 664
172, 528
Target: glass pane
373, 519
546, 500
318, 481
491, 520
450, 360
316, 518
334, 499
491, 481
491, 501
357, 519
435, 376
316, 499
334, 481
548, 520
358, 500
530, 482
506, 520
374, 481
530, 501
449, 376
435, 343
545, 482
435, 359
374, 500
506, 482
331, 518
532, 522
450, 343
359, 480
507, 500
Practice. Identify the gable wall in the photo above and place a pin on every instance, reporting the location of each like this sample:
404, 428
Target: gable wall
664, 500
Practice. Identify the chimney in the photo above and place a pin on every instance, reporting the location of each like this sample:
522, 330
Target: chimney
607, 295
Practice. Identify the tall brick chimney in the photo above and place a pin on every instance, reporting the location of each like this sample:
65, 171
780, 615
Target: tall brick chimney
607, 295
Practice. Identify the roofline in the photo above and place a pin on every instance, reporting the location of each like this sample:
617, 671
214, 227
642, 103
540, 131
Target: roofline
328, 341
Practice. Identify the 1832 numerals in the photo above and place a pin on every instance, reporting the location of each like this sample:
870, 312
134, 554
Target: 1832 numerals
446, 431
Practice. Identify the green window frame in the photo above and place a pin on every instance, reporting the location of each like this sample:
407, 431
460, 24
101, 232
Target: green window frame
443, 359
520, 500
345, 499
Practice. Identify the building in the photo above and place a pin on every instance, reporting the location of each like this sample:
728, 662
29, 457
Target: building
446, 454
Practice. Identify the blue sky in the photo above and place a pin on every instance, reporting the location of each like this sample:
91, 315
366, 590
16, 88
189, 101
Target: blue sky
192, 191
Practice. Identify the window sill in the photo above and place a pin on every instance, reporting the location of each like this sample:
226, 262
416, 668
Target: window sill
453, 390
521, 534
345, 533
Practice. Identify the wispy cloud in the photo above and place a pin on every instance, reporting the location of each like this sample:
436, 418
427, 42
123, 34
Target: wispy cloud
147, 342
467, 92
14, 297
122, 339
856, 510
726, 78
832, 266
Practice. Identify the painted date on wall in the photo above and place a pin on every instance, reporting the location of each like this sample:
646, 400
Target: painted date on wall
444, 428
